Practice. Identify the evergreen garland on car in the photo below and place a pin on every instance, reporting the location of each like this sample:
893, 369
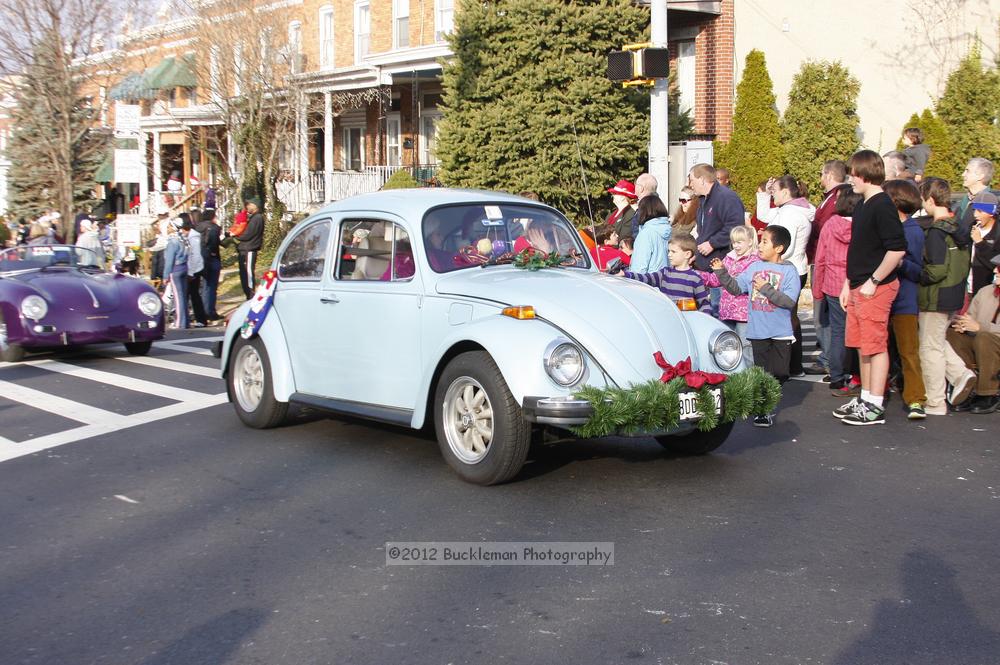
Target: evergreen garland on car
654, 406
532, 260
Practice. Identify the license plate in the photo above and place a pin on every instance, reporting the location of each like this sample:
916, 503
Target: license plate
689, 404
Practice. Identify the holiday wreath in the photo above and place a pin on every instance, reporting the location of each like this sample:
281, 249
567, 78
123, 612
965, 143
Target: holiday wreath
654, 406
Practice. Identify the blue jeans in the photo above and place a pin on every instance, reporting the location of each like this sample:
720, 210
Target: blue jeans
210, 285
740, 328
179, 280
713, 297
821, 320
837, 353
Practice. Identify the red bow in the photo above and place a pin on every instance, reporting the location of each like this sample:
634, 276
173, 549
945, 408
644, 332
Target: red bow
683, 368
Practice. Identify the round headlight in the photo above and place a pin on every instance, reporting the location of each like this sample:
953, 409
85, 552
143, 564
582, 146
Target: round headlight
34, 307
727, 348
564, 363
149, 304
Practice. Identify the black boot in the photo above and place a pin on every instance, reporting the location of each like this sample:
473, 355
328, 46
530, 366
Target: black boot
986, 404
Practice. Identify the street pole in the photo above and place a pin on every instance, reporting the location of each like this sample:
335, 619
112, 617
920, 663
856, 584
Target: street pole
658, 164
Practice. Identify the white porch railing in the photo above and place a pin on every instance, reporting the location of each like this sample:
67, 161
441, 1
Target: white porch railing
301, 196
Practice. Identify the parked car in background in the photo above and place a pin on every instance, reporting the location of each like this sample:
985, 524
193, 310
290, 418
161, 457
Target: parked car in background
404, 307
57, 296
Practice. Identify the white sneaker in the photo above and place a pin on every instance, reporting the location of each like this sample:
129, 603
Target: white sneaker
962, 388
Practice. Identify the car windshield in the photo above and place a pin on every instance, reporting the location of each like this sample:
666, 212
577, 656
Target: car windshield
38, 257
467, 236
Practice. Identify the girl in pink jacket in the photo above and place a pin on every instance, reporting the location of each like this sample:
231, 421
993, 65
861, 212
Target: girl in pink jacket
733, 310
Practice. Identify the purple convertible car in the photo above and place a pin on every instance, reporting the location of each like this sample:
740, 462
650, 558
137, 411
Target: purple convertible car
55, 296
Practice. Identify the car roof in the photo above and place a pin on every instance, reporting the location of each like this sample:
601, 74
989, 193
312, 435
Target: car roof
413, 204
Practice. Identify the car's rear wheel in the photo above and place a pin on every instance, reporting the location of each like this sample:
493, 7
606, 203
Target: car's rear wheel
9, 353
251, 387
138, 348
697, 443
480, 429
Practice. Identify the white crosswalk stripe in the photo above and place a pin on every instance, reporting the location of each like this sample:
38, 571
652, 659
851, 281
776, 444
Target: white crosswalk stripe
94, 421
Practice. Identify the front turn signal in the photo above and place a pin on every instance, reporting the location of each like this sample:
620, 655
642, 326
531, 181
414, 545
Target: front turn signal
686, 304
522, 312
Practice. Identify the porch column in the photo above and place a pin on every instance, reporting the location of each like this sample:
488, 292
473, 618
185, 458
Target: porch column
186, 157
328, 145
144, 207
157, 166
303, 147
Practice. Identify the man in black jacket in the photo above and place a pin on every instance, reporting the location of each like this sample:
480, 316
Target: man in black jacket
719, 212
210, 239
249, 246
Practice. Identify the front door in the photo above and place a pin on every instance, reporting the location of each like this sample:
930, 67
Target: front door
368, 317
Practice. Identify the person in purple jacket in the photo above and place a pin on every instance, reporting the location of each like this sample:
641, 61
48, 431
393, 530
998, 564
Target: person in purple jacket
903, 316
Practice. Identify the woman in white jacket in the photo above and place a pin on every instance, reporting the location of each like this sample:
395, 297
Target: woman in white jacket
795, 214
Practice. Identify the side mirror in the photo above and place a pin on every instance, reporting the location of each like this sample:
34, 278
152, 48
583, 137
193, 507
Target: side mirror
615, 266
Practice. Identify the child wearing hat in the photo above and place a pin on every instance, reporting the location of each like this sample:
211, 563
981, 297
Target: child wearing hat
984, 238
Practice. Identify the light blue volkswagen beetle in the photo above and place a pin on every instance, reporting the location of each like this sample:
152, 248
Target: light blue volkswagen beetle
403, 306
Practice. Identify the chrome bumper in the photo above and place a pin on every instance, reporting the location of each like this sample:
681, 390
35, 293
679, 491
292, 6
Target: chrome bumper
561, 411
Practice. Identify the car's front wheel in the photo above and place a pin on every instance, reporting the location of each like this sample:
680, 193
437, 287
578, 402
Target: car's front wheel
138, 348
697, 443
480, 429
251, 386
9, 353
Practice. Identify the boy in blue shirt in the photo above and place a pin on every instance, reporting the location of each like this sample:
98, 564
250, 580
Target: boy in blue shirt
773, 285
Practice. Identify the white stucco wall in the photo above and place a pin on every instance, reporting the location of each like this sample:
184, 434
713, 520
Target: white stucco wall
901, 51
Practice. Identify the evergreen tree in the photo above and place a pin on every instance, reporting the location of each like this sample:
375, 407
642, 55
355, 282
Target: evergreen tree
941, 162
754, 151
968, 109
53, 150
821, 121
526, 99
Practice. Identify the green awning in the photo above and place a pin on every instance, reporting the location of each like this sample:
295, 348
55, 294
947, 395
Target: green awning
131, 87
172, 72
106, 171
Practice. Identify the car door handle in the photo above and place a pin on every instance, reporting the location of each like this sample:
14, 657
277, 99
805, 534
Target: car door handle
329, 300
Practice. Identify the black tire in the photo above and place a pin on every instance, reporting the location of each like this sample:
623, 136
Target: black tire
263, 411
509, 432
9, 353
697, 443
138, 348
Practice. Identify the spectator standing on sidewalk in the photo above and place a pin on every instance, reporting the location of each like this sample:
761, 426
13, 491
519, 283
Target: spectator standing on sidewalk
829, 274
941, 294
196, 268
877, 246
831, 178
794, 213
175, 258
903, 319
249, 246
210, 240
916, 152
720, 210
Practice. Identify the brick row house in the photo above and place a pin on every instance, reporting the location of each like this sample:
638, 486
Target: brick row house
368, 101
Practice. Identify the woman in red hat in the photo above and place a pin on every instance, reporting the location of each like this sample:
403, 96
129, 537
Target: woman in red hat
623, 195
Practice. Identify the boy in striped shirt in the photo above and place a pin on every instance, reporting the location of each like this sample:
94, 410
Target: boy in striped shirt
679, 280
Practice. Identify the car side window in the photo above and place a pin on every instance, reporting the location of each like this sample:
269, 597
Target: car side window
305, 256
374, 251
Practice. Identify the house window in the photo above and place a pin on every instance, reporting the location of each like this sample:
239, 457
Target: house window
295, 46
393, 141
686, 74
362, 30
237, 68
326, 36
354, 148
214, 74
444, 18
400, 23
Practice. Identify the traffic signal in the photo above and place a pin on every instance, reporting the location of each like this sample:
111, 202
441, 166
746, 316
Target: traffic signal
638, 62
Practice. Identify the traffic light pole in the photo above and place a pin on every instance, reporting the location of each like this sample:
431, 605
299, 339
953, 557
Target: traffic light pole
658, 138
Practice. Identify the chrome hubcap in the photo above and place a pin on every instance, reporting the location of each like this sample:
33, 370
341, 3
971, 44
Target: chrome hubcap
468, 420
248, 378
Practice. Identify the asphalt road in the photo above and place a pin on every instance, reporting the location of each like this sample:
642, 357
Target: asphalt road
163, 531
